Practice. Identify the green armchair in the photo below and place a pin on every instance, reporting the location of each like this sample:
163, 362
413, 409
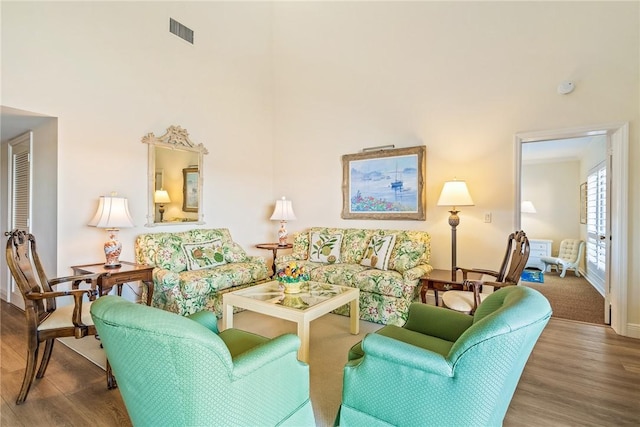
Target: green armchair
444, 367
178, 371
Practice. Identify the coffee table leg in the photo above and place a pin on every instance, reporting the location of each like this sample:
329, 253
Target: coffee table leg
303, 333
227, 316
354, 314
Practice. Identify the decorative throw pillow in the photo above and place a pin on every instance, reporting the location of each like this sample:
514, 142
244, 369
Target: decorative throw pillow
325, 248
378, 252
204, 254
406, 255
233, 252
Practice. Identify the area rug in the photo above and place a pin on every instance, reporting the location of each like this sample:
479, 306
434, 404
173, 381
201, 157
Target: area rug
535, 276
571, 297
87, 347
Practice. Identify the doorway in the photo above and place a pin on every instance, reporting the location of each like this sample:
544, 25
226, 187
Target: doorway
20, 179
615, 283
40, 214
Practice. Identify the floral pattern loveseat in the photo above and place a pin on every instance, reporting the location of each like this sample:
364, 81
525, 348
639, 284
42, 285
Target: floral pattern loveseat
194, 268
347, 257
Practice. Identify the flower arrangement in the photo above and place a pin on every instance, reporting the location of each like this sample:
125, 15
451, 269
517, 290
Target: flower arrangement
292, 273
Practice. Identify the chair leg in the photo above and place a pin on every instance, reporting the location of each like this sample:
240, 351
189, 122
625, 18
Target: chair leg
48, 349
111, 380
29, 374
564, 271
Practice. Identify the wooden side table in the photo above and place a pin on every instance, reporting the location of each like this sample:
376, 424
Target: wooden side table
274, 247
440, 280
110, 277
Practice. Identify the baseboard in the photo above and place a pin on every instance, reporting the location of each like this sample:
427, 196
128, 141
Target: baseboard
633, 330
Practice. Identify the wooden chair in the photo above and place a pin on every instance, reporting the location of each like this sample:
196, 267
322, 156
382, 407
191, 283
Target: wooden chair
471, 295
45, 320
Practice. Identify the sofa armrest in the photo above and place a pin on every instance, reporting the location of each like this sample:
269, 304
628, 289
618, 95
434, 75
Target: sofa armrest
417, 272
437, 321
166, 279
281, 259
257, 357
254, 258
400, 353
207, 319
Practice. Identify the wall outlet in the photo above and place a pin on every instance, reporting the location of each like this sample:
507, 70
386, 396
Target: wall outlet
487, 217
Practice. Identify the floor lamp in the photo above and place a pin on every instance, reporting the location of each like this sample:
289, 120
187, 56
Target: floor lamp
454, 193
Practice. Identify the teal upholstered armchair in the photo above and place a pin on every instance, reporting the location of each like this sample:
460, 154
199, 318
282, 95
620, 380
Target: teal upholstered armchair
176, 371
444, 367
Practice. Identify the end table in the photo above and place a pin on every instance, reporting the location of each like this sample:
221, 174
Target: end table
110, 277
273, 247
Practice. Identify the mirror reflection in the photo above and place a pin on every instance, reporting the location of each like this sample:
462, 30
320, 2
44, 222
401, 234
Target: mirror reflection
175, 178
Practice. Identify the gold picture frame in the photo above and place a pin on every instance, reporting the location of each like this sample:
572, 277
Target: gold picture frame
190, 188
384, 184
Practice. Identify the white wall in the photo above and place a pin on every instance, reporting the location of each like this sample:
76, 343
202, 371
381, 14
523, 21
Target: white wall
461, 78
554, 189
299, 84
111, 72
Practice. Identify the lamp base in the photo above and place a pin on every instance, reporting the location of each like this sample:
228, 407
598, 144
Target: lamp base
118, 265
112, 250
282, 234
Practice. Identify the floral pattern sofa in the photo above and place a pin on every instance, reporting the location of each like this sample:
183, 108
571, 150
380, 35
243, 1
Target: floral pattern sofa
342, 256
194, 268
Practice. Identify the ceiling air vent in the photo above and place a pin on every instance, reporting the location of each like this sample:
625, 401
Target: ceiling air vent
180, 30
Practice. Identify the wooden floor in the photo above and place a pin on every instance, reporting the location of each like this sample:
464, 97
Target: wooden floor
578, 375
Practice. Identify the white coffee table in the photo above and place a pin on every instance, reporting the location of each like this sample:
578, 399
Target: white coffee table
315, 300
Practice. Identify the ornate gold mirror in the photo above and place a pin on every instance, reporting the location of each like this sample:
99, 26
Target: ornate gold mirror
175, 178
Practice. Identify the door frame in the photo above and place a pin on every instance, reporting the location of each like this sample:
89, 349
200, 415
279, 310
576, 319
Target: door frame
616, 286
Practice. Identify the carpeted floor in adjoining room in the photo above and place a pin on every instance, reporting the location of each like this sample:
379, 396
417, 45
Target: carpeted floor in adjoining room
571, 297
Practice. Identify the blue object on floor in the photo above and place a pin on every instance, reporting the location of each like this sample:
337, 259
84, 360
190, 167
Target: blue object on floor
535, 276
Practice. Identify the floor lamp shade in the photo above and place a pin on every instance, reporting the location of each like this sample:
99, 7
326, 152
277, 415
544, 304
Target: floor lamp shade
112, 214
283, 212
454, 193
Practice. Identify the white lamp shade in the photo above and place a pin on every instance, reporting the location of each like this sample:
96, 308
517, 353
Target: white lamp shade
113, 212
455, 193
527, 207
161, 196
283, 211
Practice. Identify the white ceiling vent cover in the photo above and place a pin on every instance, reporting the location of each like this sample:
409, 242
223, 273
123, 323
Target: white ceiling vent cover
180, 30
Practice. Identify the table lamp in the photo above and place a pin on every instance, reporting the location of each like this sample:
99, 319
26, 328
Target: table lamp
283, 212
454, 193
527, 207
112, 214
161, 197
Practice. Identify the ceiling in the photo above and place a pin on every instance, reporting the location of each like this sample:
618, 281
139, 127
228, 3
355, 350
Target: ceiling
15, 122
556, 150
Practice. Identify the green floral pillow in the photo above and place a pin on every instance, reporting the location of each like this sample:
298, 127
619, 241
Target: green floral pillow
378, 252
233, 252
300, 246
204, 254
406, 255
325, 248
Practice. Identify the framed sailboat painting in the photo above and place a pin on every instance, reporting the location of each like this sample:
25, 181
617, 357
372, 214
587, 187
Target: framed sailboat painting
384, 184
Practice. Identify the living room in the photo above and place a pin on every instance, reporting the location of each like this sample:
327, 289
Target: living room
278, 92
311, 80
